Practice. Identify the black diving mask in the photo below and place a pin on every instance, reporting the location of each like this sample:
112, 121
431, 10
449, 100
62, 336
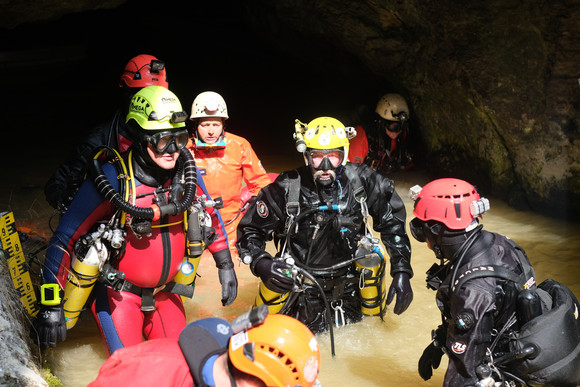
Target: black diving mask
420, 229
325, 159
169, 141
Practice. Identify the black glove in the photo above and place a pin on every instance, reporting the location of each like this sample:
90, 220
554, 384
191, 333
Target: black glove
401, 286
275, 274
226, 275
48, 325
229, 283
56, 194
430, 360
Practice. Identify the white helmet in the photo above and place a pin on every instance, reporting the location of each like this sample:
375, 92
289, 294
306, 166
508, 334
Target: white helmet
209, 104
393, 107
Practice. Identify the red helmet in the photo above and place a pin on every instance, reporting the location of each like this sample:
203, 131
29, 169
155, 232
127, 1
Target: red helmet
453, 202
144, 70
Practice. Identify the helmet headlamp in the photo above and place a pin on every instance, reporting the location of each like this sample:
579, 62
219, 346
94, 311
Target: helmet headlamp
176, 117
155, 66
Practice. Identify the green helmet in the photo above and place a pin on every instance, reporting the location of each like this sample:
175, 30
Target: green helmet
156, 108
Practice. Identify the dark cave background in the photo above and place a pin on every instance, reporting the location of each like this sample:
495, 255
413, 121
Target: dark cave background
476, 113
61, 77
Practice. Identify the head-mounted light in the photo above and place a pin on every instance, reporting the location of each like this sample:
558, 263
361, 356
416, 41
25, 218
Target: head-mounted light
177, 117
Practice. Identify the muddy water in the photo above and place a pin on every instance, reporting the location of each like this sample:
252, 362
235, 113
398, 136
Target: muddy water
373, 352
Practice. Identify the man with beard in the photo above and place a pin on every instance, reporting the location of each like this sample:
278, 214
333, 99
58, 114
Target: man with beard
327, 256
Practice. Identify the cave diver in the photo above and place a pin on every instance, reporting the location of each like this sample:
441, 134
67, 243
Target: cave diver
329, 267
498, 327
132, 236
382, 140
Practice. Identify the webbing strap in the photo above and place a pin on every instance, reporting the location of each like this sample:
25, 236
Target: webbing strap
293, 199
489, 271
360, 194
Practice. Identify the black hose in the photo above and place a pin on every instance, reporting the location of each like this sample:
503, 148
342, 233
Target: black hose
326, 306
107, 189
190, 184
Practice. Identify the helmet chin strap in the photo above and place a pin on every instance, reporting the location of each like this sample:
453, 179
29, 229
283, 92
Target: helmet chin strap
230, 371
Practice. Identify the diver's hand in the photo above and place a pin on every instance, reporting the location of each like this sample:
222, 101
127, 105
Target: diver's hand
226, 275
48, 326
229, 282
430, 360
401, 286
275, 274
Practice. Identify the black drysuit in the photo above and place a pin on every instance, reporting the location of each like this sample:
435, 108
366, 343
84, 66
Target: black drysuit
324, 235
63, 184
480, 307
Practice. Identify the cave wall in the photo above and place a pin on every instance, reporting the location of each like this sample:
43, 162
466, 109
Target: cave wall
493, 85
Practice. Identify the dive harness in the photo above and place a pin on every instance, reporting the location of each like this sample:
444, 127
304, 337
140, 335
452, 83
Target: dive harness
181, 199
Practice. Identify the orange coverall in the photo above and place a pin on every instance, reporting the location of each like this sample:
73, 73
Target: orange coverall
224, 169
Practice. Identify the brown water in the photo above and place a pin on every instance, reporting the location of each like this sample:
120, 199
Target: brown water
373, 352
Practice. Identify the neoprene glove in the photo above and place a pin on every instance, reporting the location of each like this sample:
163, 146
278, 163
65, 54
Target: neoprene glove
48, 326
229, 283
401, 286
226, 275
430, 360
275, 274
55, 194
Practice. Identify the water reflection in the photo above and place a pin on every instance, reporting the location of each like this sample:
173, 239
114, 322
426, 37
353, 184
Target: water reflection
373, 352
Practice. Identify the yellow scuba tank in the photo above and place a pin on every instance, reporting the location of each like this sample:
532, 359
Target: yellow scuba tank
81, 280
372, 278
373, 291
274, 301
187, 272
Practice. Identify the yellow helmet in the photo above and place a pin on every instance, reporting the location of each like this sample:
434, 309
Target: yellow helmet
156, 108
281, 352
326, 133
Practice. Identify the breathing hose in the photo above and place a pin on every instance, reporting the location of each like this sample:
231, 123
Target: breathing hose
155, 212
326, 306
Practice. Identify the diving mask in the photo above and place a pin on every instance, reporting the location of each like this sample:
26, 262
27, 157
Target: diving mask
163, 141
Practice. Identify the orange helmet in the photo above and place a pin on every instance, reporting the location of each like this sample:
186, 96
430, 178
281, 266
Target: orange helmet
281, 352
144, 70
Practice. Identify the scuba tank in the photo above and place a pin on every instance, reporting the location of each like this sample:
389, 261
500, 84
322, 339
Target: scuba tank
200, 234
89, 255
273, 300
187, 272
372, 276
